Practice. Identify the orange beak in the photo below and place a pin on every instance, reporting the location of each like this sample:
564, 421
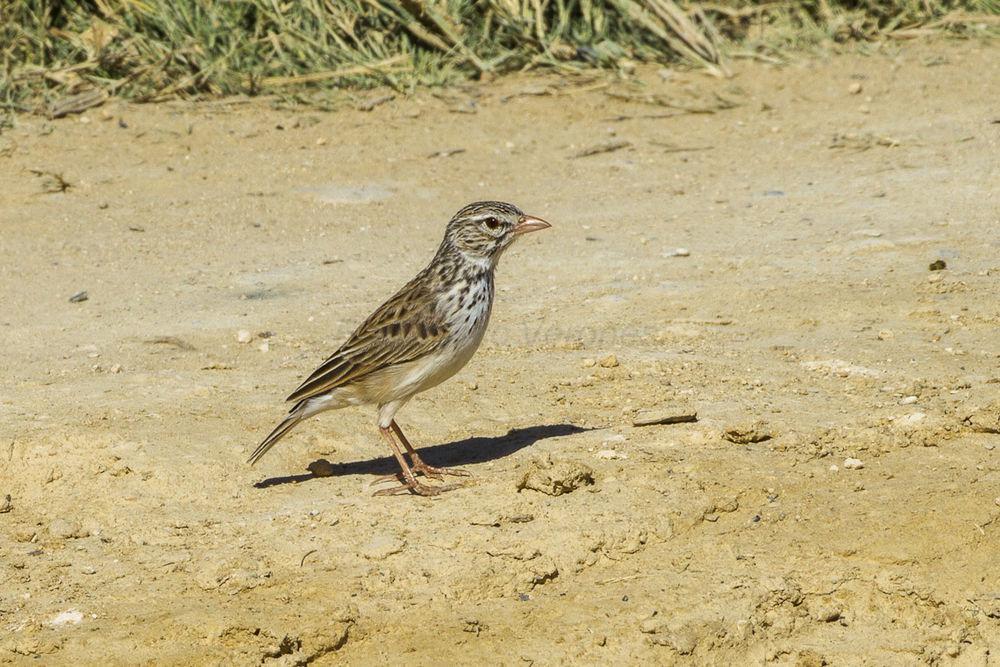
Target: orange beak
529, 223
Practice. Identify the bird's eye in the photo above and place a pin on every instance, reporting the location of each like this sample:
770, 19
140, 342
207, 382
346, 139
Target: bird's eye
492, 223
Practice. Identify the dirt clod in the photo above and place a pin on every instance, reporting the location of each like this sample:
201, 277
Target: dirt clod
745, 434
556, 478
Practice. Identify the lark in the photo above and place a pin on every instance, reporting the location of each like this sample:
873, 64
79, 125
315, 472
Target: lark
416, 340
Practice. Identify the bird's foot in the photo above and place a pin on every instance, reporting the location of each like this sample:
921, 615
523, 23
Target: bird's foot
416, 488
436, 473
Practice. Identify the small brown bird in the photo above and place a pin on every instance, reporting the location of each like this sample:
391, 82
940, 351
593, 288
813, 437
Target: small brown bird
417, 339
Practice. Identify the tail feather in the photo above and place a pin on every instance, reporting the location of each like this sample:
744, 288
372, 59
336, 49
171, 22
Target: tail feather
286, 425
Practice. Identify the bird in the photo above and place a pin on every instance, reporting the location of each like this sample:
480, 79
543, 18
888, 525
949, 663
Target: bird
416, 340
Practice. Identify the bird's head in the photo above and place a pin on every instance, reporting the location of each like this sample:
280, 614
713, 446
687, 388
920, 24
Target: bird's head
483, 230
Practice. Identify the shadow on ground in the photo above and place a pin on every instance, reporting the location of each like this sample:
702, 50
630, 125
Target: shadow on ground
461, 452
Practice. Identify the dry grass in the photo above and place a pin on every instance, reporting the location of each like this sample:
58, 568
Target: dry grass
61, 56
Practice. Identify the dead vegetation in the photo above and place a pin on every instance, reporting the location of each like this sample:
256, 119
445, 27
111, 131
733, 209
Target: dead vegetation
62, 58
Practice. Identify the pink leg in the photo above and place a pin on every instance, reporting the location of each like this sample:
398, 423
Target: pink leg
409, 483
421, 467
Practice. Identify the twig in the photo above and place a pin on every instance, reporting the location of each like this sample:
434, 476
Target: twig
353, 70
373, 102
648, 419
606, 147
448, 152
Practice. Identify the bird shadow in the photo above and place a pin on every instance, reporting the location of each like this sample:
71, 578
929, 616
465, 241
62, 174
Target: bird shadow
458, 453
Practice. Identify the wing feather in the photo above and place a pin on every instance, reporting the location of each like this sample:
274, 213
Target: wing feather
404, 328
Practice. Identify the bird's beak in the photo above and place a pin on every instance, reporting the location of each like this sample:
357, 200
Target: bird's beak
529, 223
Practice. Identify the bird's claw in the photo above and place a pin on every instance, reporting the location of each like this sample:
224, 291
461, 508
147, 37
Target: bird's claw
417, 488
437, 473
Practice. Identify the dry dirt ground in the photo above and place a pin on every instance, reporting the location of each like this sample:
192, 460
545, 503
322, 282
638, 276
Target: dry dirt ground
804, 312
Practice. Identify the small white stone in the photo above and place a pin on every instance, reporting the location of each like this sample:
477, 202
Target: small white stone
243, 336
68, 617
909, 400
614, 439
610, 454
264, 347
834, 468
588, 363
853, 464
911, 419
677, 252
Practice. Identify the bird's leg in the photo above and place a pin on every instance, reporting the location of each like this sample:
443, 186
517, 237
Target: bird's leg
418, 464
409, 481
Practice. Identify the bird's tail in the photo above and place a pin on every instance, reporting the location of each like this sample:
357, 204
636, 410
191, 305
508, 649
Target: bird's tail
286, 425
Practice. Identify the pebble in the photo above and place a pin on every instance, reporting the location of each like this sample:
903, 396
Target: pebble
6, 505
588, 363
243, 336
264, 347
746, 434
61, 529
88, 569
322, 468
855, 88
677, 252
79, 297
610, 361
834, 468
610, 454
853, 464
556, 479
909, 400
68, 617
381, 547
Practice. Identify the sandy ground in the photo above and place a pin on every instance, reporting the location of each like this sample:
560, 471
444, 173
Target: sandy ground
804, 312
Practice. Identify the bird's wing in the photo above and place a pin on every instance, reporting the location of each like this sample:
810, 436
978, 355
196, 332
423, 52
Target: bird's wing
404, 328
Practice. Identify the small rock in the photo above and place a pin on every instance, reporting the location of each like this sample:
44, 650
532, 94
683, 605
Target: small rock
68, 617
855, 88
677, 252
588, 363
61, 529
885, 334
825, 612
555, 479
610, 454
938, 265
243, 336
381, 547
6, 505
853, 464
610, 361
908, 400
985, 419
748, 434
79, 297
321, 468
834, 468
88, 569
264, 347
